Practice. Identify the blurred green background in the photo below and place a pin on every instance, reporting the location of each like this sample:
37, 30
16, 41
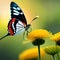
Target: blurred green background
49, 12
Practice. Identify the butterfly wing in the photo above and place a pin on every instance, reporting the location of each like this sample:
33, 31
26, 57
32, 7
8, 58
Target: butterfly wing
15, 26
19, 27
16, 12
18, 20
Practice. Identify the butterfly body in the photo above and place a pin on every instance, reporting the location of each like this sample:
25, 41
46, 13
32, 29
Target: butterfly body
27, 27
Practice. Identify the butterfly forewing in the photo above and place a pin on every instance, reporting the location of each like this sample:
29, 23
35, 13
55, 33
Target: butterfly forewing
16, 12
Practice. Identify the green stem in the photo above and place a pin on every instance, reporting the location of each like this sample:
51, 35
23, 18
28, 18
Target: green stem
58, 56
39, 58
53, 57
57, 53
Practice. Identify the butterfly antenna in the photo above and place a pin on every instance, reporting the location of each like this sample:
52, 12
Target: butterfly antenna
34, 18
4, 36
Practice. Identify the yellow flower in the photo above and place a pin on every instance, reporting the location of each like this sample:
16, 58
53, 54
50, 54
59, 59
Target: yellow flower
38, 34
31, 54
56, 38
52, 50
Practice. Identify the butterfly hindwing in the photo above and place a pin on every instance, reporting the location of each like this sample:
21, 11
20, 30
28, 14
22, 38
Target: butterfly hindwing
19, 27
15, 26
17, 13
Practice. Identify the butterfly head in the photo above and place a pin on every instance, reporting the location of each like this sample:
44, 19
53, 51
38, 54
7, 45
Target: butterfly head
27, 26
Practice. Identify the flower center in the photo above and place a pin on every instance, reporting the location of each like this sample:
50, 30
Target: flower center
38, 42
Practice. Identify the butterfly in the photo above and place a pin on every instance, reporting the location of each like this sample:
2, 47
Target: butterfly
18, 21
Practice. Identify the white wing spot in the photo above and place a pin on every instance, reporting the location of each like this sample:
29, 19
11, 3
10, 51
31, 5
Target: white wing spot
15, 14
18, 8
14, 8
21, 13
16, 11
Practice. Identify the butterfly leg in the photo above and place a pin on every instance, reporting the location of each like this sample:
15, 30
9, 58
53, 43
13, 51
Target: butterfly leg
24, 35
30, 29
27, 32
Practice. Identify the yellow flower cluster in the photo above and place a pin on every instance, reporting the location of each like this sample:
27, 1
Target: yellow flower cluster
31, 54
37, 37
38, 34
56, 37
